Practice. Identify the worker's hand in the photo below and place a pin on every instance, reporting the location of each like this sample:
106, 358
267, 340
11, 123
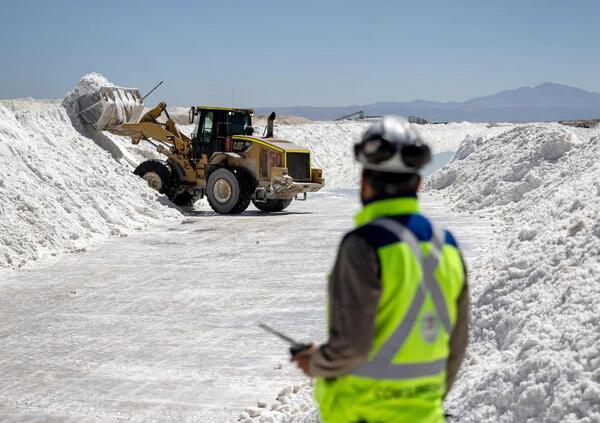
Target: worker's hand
302, 359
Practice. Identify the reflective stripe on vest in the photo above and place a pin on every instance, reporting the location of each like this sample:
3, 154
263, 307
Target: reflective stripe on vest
381, 366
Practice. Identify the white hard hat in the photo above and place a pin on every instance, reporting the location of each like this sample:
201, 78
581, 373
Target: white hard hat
392, 145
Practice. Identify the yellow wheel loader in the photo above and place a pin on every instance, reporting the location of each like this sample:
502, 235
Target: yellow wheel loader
222, 160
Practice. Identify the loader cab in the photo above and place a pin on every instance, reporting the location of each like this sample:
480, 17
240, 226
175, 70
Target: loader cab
216, 125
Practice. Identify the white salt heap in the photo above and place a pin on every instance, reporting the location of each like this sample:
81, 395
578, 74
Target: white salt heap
59, 191
293, 404
332, 143
89, 84
508, 167
29, 103
534, 352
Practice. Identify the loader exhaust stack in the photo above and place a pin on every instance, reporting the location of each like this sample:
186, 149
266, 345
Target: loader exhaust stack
269, 128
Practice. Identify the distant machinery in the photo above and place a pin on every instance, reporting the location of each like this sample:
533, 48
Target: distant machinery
584, 123
353, 116
418, 120
422, 121
360, 115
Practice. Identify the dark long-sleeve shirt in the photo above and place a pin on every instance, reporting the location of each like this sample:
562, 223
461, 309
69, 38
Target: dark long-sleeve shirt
354, 291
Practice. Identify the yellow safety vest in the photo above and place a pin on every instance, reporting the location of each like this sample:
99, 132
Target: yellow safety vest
404, 377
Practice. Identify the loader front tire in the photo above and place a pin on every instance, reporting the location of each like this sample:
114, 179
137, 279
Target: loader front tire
228, 191
158, 176
272, 205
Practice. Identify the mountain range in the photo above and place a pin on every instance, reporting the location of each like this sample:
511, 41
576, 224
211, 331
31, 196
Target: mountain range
545, 102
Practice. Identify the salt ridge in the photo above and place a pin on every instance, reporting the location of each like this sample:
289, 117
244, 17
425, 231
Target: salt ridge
534, 350
332, 144
59, 191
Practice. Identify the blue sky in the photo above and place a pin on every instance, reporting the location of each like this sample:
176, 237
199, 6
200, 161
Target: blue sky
283, 53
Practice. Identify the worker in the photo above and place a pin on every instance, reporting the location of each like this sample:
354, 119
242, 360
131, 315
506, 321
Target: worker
398, 298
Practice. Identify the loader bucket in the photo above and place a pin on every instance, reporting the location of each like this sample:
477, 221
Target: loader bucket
111, 106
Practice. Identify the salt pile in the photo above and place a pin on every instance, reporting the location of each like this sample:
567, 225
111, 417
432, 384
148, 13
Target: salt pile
535, 342
506, 168
29, 103
332, 143
293, 404
59, 191
89, 84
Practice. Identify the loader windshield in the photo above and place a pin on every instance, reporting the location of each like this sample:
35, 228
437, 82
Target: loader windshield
237, 123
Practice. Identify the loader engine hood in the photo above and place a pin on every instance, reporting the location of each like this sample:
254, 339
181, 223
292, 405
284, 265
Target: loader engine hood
274, 143
292, 159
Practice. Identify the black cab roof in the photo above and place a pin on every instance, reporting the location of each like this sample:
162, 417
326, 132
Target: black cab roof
230, 109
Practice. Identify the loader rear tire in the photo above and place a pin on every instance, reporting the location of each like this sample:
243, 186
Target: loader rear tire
272, 205
228, 191
158, 175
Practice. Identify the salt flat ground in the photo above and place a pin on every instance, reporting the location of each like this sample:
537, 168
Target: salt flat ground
161, 325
